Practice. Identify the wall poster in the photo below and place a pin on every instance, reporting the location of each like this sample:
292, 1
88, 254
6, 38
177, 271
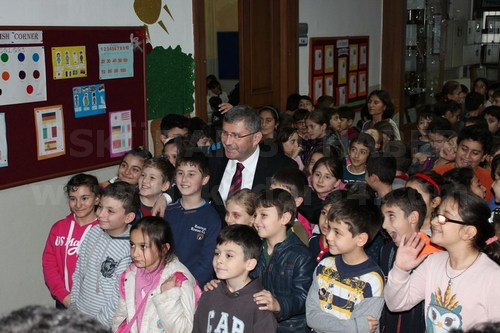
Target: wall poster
120, 130
69, 62
49, 123
22, 75
116, 61
89, 100
339, 67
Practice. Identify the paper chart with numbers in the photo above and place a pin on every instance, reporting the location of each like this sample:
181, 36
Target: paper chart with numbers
22, 75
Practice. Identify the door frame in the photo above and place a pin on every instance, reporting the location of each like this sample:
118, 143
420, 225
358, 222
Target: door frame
200, 63
289, 54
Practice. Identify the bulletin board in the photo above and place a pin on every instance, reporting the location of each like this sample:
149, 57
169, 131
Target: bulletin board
338, 67
72, 99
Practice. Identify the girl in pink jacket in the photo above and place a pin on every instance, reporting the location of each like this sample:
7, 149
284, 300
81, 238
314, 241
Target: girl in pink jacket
61, 249
157, 292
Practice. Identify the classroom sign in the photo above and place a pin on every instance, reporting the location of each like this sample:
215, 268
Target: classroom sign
21, 37
22, 75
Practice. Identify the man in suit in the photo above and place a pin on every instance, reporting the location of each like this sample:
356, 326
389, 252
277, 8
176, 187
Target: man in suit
240, 138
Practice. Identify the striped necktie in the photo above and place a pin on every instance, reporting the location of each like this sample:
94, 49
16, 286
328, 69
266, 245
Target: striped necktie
237, 180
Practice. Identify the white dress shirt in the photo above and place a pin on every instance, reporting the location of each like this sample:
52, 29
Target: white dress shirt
247, 174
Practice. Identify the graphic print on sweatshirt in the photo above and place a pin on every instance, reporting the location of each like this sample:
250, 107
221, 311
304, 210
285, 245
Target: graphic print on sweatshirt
108, 267
443, 313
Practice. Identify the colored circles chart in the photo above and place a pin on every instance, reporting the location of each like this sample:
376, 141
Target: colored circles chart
22, 75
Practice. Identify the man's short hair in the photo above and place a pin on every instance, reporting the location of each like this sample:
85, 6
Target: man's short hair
245, 113
360, 217
476, 133
244, 236
408, 200
383, 166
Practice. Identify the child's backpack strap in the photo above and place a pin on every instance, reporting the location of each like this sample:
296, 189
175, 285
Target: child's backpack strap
180, 277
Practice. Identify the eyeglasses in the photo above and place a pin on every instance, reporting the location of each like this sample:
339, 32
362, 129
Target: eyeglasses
235, 136
441, 219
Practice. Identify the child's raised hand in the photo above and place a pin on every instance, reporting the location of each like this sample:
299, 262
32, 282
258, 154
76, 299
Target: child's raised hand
267, 301
211, 285
372, 323
407, 255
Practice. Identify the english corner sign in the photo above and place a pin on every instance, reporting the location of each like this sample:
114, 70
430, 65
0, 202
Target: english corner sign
21, 37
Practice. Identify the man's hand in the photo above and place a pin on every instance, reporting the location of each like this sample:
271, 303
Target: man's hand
267, 301
211, 285
159, 207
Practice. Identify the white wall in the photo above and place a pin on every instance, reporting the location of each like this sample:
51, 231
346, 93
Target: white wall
327, 18
27, 212
103, 13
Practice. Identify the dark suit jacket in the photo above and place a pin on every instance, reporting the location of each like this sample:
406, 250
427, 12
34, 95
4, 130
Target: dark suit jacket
269, 162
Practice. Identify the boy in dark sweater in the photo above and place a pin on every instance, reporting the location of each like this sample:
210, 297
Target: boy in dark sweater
195, 223
230, 307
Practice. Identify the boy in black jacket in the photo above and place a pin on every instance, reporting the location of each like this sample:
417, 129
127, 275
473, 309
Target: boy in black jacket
285, 265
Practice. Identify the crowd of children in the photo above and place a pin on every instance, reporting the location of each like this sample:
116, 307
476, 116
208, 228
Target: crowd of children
365, 232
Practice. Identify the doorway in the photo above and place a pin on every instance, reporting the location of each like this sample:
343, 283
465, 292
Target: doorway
268, 52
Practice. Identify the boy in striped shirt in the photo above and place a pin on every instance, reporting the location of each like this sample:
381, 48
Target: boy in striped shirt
346, 294
105, 254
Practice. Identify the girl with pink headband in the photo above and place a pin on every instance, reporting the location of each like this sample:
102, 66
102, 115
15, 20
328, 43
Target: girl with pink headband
428, 184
